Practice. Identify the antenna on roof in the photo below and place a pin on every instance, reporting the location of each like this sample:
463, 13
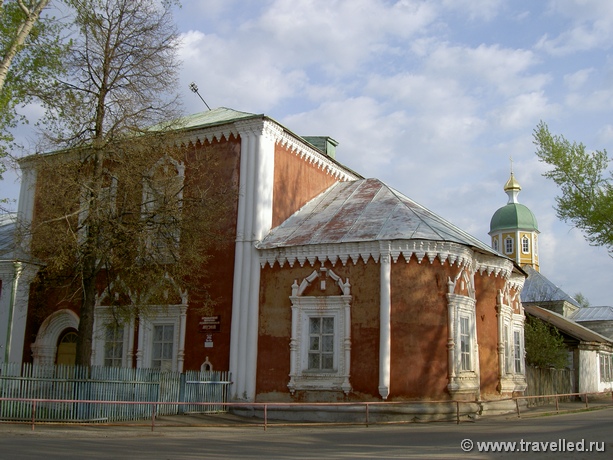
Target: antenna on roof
194, 89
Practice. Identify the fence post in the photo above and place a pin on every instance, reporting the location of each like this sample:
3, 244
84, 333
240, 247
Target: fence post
517, 407
586, 406
265, 416
182, 383
457, 404
153, 412
33, 413
367, 413
557, 405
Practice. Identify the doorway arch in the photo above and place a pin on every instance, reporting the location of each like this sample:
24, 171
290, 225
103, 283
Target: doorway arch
44, 349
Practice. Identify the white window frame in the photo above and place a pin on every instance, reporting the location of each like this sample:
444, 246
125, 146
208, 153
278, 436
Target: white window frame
496, 244
525, 245
103, 318
462, 308
174, 315
303, 309
518, 351
509, 245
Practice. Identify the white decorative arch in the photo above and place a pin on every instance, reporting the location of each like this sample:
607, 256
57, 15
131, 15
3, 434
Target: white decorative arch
45, 346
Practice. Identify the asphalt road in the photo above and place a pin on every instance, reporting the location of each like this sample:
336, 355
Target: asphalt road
419, 440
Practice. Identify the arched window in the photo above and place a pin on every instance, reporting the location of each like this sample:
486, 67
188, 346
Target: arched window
525, 245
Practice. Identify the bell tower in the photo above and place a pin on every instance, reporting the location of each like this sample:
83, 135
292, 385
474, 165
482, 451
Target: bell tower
514, 230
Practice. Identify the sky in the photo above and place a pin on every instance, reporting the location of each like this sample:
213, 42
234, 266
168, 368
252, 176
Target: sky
433, 97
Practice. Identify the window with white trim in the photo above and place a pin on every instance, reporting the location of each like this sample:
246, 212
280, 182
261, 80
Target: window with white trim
320, 344
113, 346
518, 351
112, 339
495, 244
162, 354
606, 367
161, 338
525, 245
508, 245
465, 344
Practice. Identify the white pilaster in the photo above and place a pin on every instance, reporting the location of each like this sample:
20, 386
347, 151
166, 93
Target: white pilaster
254, 221
385, 327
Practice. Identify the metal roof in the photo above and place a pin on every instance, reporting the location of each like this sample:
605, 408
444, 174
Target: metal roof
566, 325
216, 116
537, 288
593, 314
365, 210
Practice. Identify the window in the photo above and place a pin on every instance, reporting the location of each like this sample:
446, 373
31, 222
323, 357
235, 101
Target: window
162, 350
606, 367
525, 245
321, 344
465, 361
162, 206
508, 245
495, 245
507, 351
517, 344
161, 337
113, 346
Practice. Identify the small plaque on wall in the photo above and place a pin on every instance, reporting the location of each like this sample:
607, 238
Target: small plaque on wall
208, 343
210, 323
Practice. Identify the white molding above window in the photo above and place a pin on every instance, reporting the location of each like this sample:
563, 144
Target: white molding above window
303, 309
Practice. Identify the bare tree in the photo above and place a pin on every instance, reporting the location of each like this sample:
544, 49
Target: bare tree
110, 218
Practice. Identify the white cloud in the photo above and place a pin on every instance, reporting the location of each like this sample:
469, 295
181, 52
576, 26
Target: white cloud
590, 27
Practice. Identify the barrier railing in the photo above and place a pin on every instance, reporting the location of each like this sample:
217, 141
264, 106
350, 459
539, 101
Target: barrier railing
366, 407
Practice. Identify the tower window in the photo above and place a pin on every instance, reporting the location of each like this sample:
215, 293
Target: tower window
525, 245
495, 244
508, 245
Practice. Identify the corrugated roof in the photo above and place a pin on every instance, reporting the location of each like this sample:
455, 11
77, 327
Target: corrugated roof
216, 116
594, 314
537, 288
365, 210
565, 325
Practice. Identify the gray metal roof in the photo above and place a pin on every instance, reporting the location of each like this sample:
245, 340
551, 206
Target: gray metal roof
593, 314
365, 210
216, 116
566, 325
537, 288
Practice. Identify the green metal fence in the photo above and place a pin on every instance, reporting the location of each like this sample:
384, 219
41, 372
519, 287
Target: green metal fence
77, 387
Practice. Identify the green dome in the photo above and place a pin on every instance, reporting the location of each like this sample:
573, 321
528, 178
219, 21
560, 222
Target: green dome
513, 216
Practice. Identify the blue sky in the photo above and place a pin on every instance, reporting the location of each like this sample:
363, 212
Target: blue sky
432, 97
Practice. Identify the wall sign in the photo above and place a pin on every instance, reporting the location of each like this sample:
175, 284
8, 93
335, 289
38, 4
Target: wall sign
210, 323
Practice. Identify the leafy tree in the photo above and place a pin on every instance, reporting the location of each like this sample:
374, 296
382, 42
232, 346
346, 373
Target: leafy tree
582, 300
31, 51
544, 344
111, 220
585, 184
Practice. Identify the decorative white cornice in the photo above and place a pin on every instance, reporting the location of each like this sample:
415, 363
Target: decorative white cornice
272, 130
313, 157
425, 252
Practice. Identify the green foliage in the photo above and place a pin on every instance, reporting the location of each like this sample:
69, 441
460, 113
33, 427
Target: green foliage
544, 344
585, 183
582, 300
32, 61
